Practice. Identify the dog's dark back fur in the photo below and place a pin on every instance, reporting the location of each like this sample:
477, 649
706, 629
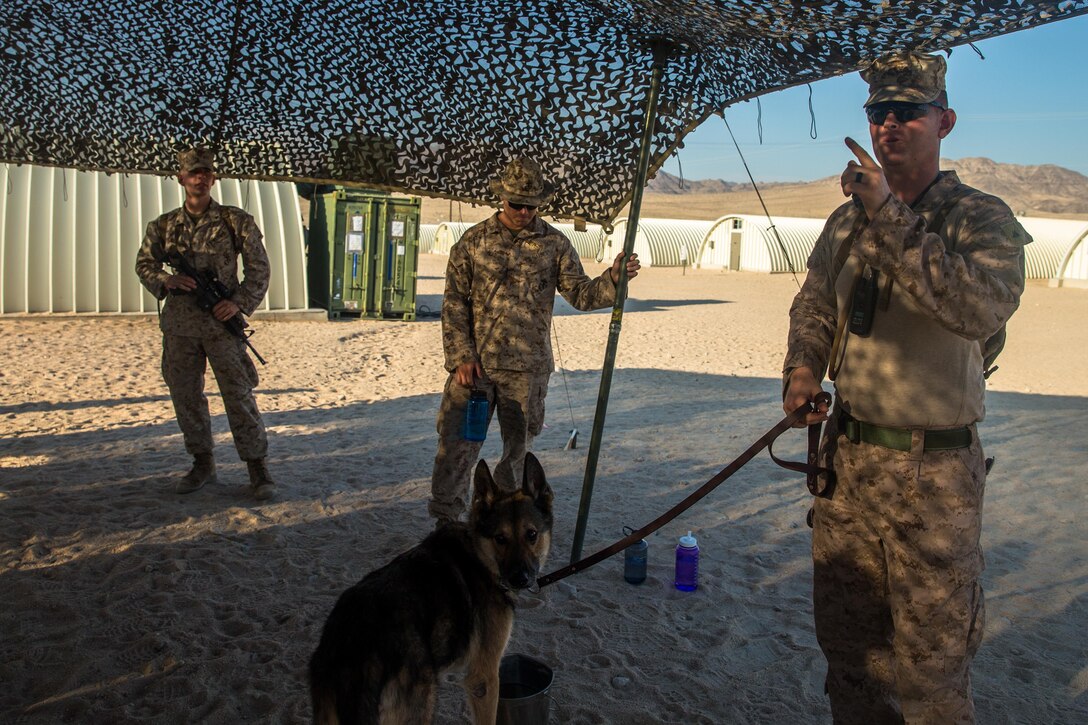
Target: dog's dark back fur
391, 634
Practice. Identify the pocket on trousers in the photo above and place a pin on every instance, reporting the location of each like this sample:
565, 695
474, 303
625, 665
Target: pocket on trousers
538, 392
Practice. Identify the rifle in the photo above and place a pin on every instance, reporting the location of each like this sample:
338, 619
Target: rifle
210, 292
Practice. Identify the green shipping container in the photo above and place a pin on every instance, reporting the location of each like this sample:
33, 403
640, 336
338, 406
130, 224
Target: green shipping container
363, 253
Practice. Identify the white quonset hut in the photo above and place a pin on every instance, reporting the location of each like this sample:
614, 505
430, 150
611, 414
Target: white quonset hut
658, 242
587, 243
426, 237
1052, 242
1073, 269
448, 234
68, 239
747, 243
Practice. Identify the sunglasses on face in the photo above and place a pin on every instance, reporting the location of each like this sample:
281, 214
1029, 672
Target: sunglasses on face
904, 112
521, 207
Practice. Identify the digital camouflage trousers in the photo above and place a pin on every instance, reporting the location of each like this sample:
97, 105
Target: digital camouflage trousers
184, 363
518, 400
896, 564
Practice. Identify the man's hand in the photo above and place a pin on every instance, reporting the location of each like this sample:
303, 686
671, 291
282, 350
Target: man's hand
803, 388
224, 310
865, 180
180, 282
633, 267
466, 373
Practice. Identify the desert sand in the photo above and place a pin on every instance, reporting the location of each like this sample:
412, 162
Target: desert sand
122, 602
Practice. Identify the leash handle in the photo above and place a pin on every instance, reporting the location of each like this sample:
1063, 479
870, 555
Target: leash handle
764, 441
810, 468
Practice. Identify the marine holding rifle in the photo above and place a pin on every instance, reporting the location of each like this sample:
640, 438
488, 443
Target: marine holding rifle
206, 237
904, 307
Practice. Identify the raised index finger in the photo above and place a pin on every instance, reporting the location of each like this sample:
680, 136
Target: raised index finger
863, 155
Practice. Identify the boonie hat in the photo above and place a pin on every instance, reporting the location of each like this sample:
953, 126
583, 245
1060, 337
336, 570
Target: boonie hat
196, 158
910, 77
522, 182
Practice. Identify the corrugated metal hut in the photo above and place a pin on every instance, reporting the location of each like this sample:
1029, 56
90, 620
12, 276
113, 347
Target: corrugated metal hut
426, 237
1073, 269
747, 243
1052, 241
448, 234
587, 243
68, 239
658, 242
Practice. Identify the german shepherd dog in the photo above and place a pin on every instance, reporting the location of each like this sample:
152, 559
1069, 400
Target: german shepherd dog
447, 602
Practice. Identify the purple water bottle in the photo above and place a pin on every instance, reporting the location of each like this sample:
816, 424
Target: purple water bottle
687, 564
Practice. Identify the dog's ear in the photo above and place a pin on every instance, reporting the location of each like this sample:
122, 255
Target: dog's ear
484, 488
535, 485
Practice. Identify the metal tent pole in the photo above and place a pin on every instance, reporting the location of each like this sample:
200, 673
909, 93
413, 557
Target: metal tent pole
661, 52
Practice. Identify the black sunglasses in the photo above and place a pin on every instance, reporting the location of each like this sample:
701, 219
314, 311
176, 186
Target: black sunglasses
904, 112
521, 207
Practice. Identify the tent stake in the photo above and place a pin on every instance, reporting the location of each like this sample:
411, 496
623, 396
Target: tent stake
661, 50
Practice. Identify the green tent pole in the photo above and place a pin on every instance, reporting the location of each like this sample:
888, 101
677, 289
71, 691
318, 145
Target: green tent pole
661, 52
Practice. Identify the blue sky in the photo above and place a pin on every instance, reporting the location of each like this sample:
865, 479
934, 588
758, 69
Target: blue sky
1026, 103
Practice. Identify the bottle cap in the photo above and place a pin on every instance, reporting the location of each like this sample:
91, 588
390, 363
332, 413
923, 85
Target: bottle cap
688, 542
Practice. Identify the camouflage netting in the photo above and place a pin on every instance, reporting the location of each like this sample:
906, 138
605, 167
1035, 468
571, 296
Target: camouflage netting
428, 96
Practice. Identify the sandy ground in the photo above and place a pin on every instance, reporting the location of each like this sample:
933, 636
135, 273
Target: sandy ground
122, 602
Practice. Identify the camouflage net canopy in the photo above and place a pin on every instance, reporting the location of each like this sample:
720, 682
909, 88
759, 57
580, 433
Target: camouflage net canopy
426, 96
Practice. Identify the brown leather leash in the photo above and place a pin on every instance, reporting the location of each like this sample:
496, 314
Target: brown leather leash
809, 468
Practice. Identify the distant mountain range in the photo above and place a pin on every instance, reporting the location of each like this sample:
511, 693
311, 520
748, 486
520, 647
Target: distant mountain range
1044, 190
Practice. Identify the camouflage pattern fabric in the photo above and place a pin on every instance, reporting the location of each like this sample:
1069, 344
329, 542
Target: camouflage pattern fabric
518, 400
192, 337
196, 158
899, 610
907, 77
522, 182
183, 368
424, 96
500, 291
952, 290
212, 243
497, 310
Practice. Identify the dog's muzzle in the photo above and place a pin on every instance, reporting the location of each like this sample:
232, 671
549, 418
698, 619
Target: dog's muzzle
522, 578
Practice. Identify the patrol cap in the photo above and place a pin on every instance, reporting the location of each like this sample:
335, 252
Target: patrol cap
196, 158
522, 182
910, 77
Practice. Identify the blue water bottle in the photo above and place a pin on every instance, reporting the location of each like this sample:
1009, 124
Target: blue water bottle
634, 559
475, 427
687, 564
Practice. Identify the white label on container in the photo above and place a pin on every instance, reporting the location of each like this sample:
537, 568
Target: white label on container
355, 242
400, 250
398, 228
357, 223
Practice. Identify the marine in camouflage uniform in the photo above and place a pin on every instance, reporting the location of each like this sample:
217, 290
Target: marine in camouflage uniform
210, 237
501, 282
898, 605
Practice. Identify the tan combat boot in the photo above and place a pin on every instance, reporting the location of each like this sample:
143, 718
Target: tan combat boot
260, 481
202, 472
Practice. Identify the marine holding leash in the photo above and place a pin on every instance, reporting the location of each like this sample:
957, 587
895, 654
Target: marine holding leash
501, 282
905, 303
210, 237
